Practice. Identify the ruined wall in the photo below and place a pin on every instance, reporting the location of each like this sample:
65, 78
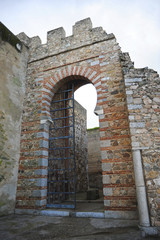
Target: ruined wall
13, 63
94, 159
127, 105
143, 100
89, 55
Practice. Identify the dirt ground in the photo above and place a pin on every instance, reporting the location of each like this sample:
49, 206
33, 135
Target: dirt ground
29, 227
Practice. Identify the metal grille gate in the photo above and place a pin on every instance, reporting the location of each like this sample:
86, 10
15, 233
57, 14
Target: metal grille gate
61, 162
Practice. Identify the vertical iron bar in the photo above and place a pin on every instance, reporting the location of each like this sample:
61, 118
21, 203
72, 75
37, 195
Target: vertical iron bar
74, 162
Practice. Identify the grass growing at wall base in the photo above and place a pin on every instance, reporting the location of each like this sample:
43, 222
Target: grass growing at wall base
91, 129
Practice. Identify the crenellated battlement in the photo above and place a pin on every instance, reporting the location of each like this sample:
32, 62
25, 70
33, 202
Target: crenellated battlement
83, 34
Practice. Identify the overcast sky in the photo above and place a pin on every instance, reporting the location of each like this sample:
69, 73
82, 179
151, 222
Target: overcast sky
135, 23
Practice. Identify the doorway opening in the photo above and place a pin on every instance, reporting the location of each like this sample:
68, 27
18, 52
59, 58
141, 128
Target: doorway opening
74, 169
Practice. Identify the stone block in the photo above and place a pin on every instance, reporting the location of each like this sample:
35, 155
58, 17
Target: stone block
41, 182
106, 179
82, 26
107, 191
42, 135
43, 144
133, 80
121, 214
137, 124
41, 172
43, 162
95, 63
105, 78
41, 153
129, 92
55, 35
107, 203
134, 106
40, 203
106, 167
105, 143
39, 193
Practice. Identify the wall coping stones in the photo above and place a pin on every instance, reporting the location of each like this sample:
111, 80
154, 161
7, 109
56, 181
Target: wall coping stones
57, 42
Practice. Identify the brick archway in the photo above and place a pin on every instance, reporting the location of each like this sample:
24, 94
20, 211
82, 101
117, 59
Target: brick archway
77, 72
93, 56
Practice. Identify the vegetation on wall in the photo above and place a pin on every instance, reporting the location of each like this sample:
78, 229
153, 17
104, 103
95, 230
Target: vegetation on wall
4, 157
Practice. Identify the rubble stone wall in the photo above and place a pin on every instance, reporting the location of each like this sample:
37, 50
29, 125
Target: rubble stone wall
94, 159
143, 101
89, 55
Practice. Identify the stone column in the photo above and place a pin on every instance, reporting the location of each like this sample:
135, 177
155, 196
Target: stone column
140, 189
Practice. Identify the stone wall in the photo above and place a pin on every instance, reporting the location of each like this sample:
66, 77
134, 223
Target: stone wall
127, 105
89, 55
94, 159
13, 63
143, 100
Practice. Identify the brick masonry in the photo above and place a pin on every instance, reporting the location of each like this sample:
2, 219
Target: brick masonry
89, 55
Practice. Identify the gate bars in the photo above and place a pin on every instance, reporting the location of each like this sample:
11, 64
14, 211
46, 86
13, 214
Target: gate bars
61, 162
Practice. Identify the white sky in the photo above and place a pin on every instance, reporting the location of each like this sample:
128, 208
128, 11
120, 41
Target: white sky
135, 23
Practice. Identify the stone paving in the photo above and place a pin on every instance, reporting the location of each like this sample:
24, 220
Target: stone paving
30, 227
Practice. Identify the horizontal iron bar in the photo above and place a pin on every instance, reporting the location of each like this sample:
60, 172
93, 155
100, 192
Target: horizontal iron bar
53, 193
56, 128
62, 100
63, 137
54, 159
60, 109
53, 119
59, 148
60, 169
53, 182
63, 91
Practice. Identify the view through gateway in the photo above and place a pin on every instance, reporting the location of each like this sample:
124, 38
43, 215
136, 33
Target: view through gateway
87, 97
75, 174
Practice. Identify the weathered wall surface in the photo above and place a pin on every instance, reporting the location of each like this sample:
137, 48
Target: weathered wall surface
12, 88
143, 100
81, 153
94, 159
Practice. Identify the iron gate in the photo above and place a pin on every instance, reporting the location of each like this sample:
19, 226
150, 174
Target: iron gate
61, 162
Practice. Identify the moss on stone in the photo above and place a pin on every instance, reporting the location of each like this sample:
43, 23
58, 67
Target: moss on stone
1, 203
17, 82
5, 160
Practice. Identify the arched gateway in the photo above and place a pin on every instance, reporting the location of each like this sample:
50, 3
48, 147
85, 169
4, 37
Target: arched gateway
90, 55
